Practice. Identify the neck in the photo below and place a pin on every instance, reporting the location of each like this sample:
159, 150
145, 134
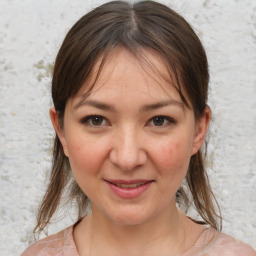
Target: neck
165, 232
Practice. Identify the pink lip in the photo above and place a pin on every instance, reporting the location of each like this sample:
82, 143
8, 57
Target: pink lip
129, 193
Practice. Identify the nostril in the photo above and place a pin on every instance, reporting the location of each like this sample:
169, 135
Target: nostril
128, 160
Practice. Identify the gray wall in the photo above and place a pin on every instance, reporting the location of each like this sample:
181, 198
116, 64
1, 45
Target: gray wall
30, 35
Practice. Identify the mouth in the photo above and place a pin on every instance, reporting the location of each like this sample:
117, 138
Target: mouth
129, 185
129, 189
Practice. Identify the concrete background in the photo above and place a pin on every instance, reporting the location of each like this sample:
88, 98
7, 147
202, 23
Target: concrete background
30, 35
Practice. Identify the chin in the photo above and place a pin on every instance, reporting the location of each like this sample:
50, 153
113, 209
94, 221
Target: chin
131, 217
129, 221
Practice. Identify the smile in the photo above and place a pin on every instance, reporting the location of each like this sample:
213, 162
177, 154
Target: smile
135, 185
128, 189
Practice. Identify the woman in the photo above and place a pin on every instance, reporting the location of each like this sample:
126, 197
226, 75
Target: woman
130, 113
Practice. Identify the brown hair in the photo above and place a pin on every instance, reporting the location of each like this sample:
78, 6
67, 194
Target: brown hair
143, 25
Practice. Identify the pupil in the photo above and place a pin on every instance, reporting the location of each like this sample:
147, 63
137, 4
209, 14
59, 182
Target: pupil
97, 120
158, 121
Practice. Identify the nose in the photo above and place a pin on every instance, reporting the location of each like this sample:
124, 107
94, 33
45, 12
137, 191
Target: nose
127, 152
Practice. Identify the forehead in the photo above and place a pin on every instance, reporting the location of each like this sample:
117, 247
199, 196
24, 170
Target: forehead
123, 73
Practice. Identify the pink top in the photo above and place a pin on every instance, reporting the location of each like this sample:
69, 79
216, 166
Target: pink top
210, 243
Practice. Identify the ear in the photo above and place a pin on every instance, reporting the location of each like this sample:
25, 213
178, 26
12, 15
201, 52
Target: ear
201, 130
59, 130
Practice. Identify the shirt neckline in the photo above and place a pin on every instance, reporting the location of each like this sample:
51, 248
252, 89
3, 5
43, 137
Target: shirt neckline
204, 240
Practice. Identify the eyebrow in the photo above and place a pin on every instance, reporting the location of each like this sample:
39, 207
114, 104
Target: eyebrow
162, 104
145, 108
95, 104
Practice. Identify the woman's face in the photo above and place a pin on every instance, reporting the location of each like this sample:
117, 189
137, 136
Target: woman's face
130, 141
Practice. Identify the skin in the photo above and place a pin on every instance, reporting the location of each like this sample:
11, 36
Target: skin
128, 141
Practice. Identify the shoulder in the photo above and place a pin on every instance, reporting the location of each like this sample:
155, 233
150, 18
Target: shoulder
57, 244
224, 245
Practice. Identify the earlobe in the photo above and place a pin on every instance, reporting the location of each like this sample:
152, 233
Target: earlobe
58, 129
201, 130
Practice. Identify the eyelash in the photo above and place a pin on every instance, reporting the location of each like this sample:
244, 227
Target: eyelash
89, 120
166, 121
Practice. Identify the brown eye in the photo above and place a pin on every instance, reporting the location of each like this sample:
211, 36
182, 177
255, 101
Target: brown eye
161, 121
158, 120
94, 121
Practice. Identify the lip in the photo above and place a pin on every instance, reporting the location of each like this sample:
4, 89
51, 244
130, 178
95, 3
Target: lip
131, 192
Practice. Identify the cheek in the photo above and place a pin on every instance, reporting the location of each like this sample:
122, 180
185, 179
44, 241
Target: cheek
85, 156
174, 154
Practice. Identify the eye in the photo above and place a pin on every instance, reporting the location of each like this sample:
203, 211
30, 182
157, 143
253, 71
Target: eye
94, 120
161, 121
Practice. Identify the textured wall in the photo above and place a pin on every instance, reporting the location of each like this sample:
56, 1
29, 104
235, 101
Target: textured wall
30, 34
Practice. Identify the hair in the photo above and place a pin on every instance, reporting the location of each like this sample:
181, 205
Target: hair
143, 25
